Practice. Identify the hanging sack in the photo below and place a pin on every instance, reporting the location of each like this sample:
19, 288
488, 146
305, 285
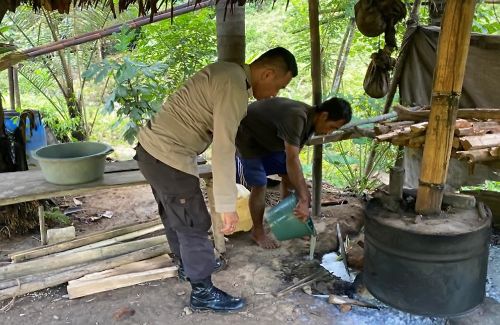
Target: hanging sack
377, 78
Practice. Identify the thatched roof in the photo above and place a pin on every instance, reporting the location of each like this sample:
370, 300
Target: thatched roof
146, 7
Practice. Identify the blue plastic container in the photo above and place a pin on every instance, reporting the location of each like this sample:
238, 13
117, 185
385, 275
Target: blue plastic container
35, 139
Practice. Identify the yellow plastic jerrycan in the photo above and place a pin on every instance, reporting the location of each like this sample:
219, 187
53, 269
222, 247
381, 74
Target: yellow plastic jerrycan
245, 221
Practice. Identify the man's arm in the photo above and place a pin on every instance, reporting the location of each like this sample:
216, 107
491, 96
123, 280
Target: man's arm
296, 177
230, 104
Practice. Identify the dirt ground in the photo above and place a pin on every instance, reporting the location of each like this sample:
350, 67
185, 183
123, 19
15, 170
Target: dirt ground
253, 273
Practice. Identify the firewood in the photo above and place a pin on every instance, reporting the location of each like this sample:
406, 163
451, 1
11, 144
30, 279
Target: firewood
469, 131
49, 263
339, 300
417, 141
404, 113
84, 288
78, 242
112, 241
479, 142
59, 277
461, 123
419, 127
144, 265
456, 143
474, 156
395, 133
495, 152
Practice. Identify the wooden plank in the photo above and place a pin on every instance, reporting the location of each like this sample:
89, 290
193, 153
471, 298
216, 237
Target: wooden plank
49, 263
128, 165
81, 241
84, 288
144, 265
480, 141
113, 240
30, 283
17, 187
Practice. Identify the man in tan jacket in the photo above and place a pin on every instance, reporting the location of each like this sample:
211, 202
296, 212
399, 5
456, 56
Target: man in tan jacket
206, 110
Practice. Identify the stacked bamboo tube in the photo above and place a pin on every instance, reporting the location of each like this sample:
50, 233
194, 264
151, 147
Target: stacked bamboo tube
95, 263
475, 139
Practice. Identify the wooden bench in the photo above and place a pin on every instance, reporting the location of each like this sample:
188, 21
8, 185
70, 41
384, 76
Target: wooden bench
30, 185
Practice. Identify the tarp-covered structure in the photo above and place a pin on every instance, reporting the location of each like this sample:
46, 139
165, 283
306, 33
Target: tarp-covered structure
481, 89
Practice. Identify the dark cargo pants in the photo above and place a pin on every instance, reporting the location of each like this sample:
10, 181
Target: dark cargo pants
183, 212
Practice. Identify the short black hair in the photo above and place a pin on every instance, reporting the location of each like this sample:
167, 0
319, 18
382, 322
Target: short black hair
282, 57
337, 109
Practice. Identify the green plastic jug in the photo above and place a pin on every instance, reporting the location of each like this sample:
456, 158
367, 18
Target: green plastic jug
284, 224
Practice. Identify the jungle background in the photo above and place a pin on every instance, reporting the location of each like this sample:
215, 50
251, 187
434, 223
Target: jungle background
104, 90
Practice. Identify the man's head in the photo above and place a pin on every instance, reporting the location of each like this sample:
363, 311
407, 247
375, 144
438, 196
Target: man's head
331, 115
271, 72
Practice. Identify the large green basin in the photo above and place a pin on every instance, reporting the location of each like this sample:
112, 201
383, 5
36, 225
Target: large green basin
72, 163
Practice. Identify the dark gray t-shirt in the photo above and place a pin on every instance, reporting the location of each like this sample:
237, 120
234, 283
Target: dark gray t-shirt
271, 122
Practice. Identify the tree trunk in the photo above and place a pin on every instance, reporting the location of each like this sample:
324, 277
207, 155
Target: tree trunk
345, 48
68, 90
230, 32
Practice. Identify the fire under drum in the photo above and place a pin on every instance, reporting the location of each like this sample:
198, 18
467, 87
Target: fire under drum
432, 266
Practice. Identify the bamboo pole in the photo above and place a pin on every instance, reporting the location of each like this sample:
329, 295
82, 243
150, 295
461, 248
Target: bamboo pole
16, 57
316, 92
58, 277
50, 263
449, 72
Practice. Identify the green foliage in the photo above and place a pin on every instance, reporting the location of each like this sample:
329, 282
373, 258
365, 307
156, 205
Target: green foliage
487, 186
54, 215
486, 19
349, 160
184, 46
137, 93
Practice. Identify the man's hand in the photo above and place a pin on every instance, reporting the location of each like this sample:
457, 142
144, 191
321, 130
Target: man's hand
230, 220
302, 210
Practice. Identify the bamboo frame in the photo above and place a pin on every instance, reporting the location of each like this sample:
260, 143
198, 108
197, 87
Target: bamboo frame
16, 57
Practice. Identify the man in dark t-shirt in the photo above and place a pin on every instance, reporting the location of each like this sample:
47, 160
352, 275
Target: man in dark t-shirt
269, 140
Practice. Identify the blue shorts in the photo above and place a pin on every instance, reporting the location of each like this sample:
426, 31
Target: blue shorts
253, 171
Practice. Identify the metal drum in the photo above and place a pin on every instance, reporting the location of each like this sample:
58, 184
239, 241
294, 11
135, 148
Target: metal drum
432, 266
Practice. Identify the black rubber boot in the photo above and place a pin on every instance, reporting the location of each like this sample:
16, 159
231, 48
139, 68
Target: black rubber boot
205, 296
220, 264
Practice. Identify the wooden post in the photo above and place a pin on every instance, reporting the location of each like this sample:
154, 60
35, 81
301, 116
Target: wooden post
220, 244
449, 72
12, 96
316, 90
230, 20
43, 228
17, 94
